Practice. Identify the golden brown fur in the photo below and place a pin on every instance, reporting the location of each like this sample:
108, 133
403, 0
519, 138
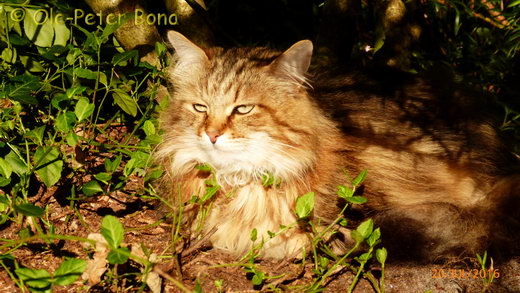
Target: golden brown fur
437, 167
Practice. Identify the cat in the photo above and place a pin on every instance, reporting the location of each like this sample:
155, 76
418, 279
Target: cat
440, 180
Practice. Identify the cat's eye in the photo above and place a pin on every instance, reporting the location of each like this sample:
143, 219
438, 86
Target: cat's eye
244, 109
200, 108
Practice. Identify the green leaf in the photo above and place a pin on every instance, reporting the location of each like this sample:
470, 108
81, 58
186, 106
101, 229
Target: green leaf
7, 256
148, 127
48, 165
210, 192
85, 73
345, 192
141, 159
125, 102
83, 109
4, 182
360, 178
365, 228
31, 64
129, 167
62, 33
69, 271
160, 49
92, 187
65, 121
324, 262
37, 29
254, 234
381, 255
122, 57
60, 101
72, 139
36, 135
204, 167
29, 210
117, 256
364, 257
5, 168
374, 237
75, 91
103, 79
111, 166
356, 199
9, 55
513, 3
22, 88
103, 177
357, 236
18, 165
34, 278
258, 278
380, 38
112, 230
305, 205
111, 28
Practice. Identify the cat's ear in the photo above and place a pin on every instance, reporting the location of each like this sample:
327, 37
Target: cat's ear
188, 54
294, 62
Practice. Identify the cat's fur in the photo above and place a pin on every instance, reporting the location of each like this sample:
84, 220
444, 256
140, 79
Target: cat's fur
439, 175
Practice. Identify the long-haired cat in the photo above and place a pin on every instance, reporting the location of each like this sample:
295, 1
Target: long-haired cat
440, 181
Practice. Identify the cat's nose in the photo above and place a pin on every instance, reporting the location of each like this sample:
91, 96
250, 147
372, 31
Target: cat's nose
213, 135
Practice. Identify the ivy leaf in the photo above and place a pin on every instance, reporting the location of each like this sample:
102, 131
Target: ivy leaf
48, 165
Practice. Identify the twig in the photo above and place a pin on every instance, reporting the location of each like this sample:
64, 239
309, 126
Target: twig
166, 276
200, 242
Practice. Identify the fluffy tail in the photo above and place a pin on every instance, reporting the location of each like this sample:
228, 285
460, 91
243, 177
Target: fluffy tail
433, 232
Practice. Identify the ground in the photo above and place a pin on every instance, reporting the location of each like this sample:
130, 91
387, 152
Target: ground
209, 269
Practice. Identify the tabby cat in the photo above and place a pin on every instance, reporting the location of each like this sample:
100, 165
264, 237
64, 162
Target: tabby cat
440, 180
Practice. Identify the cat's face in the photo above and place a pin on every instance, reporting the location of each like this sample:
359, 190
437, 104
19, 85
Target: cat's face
242, 111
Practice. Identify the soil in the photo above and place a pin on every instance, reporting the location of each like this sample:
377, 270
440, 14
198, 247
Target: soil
203, 266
